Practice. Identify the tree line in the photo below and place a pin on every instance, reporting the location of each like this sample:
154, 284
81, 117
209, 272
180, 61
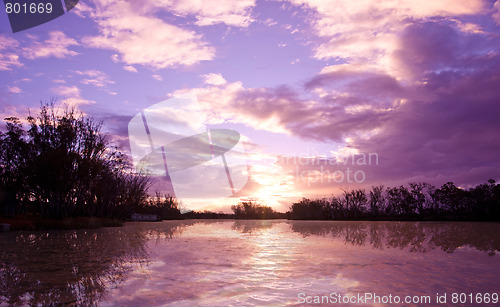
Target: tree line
166, 207
253, 210
60, 164
417, 201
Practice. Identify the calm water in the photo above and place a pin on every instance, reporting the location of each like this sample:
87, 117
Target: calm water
246, 263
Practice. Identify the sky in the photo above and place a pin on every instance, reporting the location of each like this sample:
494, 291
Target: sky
326, 95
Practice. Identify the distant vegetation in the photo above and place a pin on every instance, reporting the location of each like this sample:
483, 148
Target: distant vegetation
62, 165
253, 210
418, 201
166, 207
206, 215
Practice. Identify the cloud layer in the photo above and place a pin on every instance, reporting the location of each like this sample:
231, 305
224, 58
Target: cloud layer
139, 37
439, 124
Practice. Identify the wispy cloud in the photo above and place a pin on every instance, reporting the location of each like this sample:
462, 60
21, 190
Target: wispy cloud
130, 68
229, 12
8, 58
14, 89
95, 78
71, 95
214, 79
55, 46
141, 38
157, 77
496, 12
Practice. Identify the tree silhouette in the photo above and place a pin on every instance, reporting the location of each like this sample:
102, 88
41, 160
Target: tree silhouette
253, 210
64, 166
421, 201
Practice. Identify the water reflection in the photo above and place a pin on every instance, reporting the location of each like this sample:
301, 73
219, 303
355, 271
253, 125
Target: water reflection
251, 226
72, 267
411, 236
232, 263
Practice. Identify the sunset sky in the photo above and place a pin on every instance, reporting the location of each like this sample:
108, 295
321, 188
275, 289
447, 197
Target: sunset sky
416, 84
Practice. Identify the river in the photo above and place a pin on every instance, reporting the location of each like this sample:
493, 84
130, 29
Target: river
248, 263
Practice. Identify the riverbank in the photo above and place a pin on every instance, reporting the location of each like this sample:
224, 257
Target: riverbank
31, 222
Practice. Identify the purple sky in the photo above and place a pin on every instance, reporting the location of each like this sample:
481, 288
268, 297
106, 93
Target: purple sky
415, 82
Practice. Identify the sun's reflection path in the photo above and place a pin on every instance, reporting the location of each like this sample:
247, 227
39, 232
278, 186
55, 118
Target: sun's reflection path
270, 265
275, 269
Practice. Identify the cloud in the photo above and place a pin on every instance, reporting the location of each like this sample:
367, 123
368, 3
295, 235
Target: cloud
96, 78
157, 77
139, 37
452, 136
496, 12
215, 101
442, 128
270, 22
130, 68
214, 79
55, 46
280, 109
232, 103
469, 27
14, 90
328, 119
285, 110
71, 95
210, 12
8, 59
367, 32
